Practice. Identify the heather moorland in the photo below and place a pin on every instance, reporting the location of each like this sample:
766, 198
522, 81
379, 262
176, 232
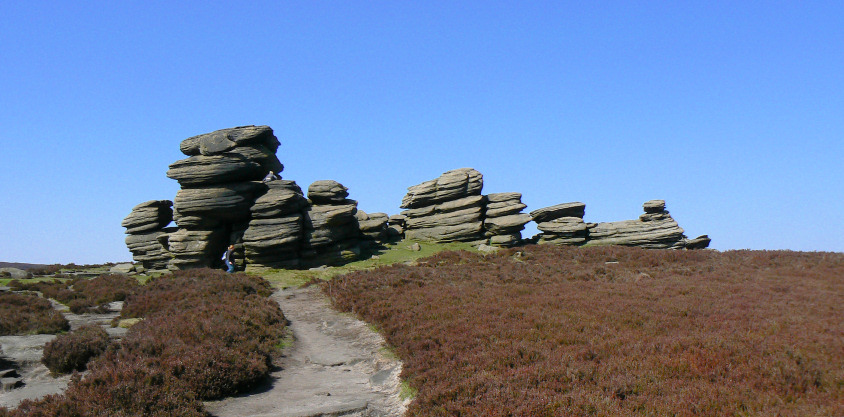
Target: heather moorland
608, 331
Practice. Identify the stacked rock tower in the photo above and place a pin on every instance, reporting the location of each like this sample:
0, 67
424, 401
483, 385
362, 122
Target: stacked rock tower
224, 201
220, 181
504, 220
446, 209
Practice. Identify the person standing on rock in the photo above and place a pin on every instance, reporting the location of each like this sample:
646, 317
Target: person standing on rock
229, 259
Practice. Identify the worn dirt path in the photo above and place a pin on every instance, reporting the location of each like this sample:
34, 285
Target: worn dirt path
336, 367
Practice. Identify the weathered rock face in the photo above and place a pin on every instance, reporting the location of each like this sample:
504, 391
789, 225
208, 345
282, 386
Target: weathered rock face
561, 224
243, 153
147, 233
446, 209
331, 230
504, 220
655, 229
274, 233
373, 226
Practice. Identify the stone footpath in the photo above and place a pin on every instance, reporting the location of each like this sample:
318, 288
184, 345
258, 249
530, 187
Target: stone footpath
337, 366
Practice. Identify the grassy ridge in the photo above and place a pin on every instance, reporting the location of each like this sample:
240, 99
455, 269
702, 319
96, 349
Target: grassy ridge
548, 331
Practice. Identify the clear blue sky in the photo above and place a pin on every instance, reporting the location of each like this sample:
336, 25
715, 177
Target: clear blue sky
733, 112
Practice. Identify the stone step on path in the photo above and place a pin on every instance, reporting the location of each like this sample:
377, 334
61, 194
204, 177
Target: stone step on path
336, 367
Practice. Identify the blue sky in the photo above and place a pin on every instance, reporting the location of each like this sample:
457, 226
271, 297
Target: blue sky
733, 112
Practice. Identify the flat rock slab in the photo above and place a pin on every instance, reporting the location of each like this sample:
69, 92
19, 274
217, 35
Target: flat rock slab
335, 367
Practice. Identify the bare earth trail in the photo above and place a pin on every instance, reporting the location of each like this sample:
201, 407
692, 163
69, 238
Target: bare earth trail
336, 367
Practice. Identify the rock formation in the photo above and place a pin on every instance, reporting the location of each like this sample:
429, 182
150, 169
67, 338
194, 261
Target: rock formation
223, 201
274, 234
446, 209
655, 229
220, 181
561, 224
504, 220
332, 234
148, 233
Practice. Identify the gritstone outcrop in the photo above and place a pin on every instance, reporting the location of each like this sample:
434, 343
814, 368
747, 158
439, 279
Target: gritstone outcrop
223, 201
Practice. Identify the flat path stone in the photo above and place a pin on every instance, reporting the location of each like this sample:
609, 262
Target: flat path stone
336, 367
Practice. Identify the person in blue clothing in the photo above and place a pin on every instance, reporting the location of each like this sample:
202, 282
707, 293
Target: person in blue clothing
229, 259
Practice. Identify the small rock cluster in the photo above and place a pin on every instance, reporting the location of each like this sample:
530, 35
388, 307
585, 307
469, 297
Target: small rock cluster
451, 208
148, 234
655, 229
224, 201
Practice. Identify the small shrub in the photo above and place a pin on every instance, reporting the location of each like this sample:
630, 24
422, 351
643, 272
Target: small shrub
72, 351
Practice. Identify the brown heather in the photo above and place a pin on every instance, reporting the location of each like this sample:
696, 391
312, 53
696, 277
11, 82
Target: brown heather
205, 334
612, 331
22, 314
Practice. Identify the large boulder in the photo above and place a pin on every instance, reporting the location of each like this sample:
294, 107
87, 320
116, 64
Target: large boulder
224, 140
149, 216
281, 198
546, 214
249, 163
450, 185
327, 192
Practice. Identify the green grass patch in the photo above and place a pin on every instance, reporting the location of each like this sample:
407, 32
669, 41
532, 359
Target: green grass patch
388, 254
407, 392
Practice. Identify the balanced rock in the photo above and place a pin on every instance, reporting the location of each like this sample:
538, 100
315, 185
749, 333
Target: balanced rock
224, 140
244, 153
560, 210
327, 192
